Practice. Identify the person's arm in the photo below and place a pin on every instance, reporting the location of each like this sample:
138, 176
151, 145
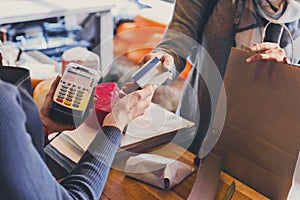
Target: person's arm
88, 178
92, 170
23, 173
183, 32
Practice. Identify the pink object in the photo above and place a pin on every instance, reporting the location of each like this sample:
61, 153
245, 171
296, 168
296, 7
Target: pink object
107, 95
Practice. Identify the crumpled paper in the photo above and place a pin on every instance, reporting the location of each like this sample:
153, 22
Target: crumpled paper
156, 170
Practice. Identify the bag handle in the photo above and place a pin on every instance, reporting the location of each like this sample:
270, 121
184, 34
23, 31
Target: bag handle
285, 28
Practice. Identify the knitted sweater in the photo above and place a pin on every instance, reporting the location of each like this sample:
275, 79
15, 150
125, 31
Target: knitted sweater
23, 172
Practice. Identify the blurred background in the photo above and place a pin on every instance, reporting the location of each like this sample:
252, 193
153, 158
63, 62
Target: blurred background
138, 26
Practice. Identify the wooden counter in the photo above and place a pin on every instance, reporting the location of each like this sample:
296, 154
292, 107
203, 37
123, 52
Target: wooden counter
121, 187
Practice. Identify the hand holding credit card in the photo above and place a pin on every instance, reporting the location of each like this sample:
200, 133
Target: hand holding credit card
151, 72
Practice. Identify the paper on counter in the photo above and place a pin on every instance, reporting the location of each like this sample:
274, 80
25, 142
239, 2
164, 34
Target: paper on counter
156, 170
156, 121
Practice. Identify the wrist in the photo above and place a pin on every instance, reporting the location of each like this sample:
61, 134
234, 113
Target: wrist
110, 121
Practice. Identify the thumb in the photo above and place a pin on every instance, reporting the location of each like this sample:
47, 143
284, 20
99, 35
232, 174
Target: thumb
146, 59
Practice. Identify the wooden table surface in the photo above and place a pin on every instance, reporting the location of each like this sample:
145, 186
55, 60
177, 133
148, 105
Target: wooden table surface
121, 187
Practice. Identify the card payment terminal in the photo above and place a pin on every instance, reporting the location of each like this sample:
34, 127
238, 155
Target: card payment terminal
74, 94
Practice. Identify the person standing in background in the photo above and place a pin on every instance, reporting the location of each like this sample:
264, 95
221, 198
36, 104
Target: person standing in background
218, 25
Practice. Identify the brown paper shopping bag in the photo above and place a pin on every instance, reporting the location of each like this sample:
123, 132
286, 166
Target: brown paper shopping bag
260, 140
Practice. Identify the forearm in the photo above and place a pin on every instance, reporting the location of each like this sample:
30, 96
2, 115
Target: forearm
185, 29
92, 170
24, 174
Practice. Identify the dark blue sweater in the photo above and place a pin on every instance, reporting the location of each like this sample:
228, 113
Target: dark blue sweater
23, 172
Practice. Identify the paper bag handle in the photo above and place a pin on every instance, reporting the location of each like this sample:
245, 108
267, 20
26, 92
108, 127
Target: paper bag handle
285, 28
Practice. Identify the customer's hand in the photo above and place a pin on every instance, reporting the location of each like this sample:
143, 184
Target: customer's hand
51, 125
130, 107
166, 59
268, 51
128, 88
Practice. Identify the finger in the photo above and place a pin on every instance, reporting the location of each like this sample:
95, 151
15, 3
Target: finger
49, 96
258, 47
286, 60
151, 86
146, 59
129, 84
124, 89
53, 86
129, 87
147, 91
141, 97
269, 57
122, 93
139, 108
168, 61
273, 56
278, 51
253, 58
141, 103
133, 99
148, 100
